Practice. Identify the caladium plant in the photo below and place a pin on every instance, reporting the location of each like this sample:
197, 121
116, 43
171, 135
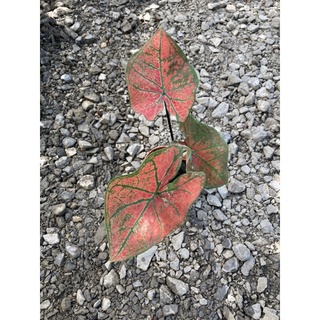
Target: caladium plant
143, 207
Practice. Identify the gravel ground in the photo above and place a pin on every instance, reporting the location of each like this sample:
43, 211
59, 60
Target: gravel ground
223, 263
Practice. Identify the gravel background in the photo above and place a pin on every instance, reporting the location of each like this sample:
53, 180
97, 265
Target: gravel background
223, 263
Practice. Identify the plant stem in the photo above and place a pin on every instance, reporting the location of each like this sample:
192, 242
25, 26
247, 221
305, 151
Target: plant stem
169, 122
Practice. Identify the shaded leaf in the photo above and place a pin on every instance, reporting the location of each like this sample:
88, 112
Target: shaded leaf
209, 152
160, 72
143, 207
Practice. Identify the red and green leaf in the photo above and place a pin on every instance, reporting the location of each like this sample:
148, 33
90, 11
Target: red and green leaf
143, 207
209, 152
160, 72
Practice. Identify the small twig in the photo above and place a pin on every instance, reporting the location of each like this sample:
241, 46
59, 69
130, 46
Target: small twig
169, 122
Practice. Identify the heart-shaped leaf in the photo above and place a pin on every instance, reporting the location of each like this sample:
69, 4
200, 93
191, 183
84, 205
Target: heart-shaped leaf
160, 72
143, 207
209, 152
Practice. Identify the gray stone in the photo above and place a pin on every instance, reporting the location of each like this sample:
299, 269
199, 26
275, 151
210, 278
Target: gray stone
86, 182
108, 118
221, 292
263, 105
206, 86
212, 103
203, 101
100, 233
80, 297
253, 311
180, 18
66, 304
269, 84
71, 151
258, 134
58, 261
271, 209
231, 25
59, 121
76, 26
102, 76
151, 294
109, 152
137, 284
89, 39
144, 129
144, 259
198, 108
262, 284
202, 215
73, 250
275, 22
184, 253
268, 152
247, 266
177, 286
233, 80
213, 200
133, 149
219, 215
236, 186
69, 142
84, 127
120, 288
169, 310
106, 304
234, 66
221, 110
227, 243
62, 162
276, 164
59, 209
111, 279
216, 41
84, 145
262, 93
223, 191
94, 70
153, 139
217, 5
254, 83
266, 226
275, 185
231, 265
51, 238
270, 314
175, 264
122, 271
241, 252
253, 27
246, 169
45, 304
177, 240
231, 8
227, 313
66, 77
97, 304
264, 191
90, 95
250, 99
165, 295
115, 15
126, 26
243, 88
